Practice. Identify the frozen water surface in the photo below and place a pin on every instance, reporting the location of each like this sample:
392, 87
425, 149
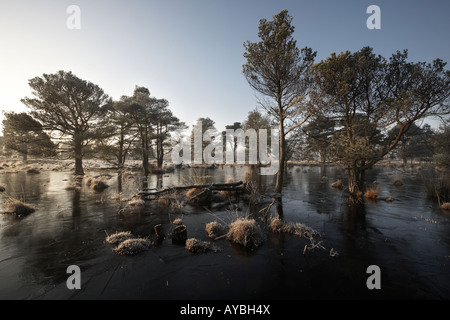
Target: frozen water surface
409, 239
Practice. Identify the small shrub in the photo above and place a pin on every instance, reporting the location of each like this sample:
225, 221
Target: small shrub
245, 232
398, 182
33, 171
2, 188
132, 246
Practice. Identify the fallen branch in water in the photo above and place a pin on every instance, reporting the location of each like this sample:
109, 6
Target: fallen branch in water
232, 186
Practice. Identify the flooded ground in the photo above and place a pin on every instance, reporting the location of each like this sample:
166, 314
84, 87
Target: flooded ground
409, 239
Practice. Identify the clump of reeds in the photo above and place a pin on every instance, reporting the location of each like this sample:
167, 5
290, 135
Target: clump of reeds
118, 196
132, 246
298, 229
96, 183
126, 243
276, 224
215, 230
197, 246
193, 192
99, 185
371, 193
136, 202
33, 171
17, 207
177, 222
445, 206
133, 205
247, 176
245, 232
437, 184
164, 200
119, 237
176, 204
337, 184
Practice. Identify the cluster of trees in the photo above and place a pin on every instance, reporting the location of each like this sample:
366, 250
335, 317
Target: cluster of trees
84, 120
420, 143
351, 108
359, 105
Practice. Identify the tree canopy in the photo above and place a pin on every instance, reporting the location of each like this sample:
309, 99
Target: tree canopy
25, 135
71, 106
278, 70
368, 96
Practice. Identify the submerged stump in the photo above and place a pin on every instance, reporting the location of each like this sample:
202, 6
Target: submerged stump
179, 234
159, 233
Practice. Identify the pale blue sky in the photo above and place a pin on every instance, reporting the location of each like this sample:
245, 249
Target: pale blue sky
191, 51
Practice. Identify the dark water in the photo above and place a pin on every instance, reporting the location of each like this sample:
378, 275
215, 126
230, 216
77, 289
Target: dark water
409, 239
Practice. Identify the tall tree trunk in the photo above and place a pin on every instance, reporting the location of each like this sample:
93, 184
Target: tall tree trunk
159, 154
25, 157
145, 157
121, 156
119, 181
78, 150
282, 157
355, 182
159, 148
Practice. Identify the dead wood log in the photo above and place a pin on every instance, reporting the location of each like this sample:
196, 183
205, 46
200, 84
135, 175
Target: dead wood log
232, 186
